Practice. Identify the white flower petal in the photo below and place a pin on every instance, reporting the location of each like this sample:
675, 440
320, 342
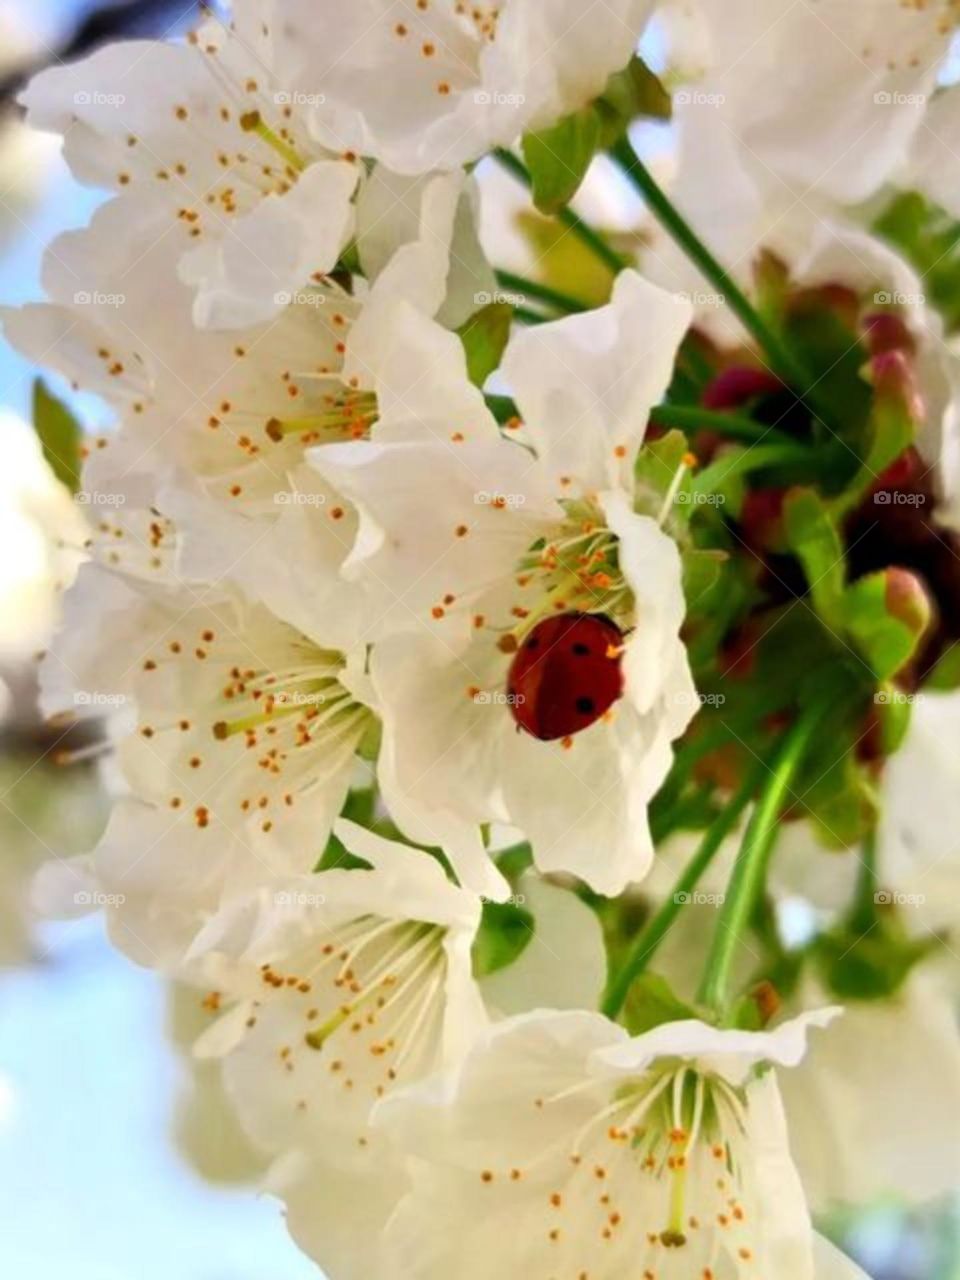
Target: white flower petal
585, 385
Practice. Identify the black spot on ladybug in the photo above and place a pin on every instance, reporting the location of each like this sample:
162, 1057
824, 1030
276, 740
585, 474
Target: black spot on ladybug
567, 673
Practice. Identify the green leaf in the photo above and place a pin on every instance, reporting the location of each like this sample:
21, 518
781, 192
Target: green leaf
60, 435
506, 930
558, 158
652, 1002
484, 337
814, 538
886, 614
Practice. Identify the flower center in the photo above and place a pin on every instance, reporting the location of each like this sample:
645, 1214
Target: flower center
578, 571
660, 1162
368, 998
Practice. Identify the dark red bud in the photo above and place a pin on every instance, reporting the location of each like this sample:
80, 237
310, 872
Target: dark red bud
737, 385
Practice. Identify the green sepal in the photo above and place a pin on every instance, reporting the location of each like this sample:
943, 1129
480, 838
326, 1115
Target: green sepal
634, 91
824, 338
506, 930
840, 800
946, 674
484, 337
929, 238
337, 857
814, 538
871, 964
513, 862
369, 746
361, 806
559, 157
892, 713
702, 570
886, 615
890, 428
651, 1002
60, 435
657, 464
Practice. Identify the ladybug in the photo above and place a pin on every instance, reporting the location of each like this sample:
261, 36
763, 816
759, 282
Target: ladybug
566, 674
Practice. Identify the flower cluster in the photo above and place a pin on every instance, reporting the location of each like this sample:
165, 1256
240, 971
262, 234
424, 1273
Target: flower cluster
465, 651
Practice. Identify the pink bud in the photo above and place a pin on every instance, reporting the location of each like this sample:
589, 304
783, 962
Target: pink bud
891, 373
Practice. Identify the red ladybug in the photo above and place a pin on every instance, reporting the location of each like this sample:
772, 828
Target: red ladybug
566, 674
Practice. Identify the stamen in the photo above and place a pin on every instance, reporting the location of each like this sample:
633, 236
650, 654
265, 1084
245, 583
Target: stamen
253, 122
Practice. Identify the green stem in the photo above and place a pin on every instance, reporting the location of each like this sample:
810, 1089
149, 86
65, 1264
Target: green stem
864, 902
582, 230
526, 315
659, 924
542, 292
734, 425
751, 865
687, 418
781, 358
